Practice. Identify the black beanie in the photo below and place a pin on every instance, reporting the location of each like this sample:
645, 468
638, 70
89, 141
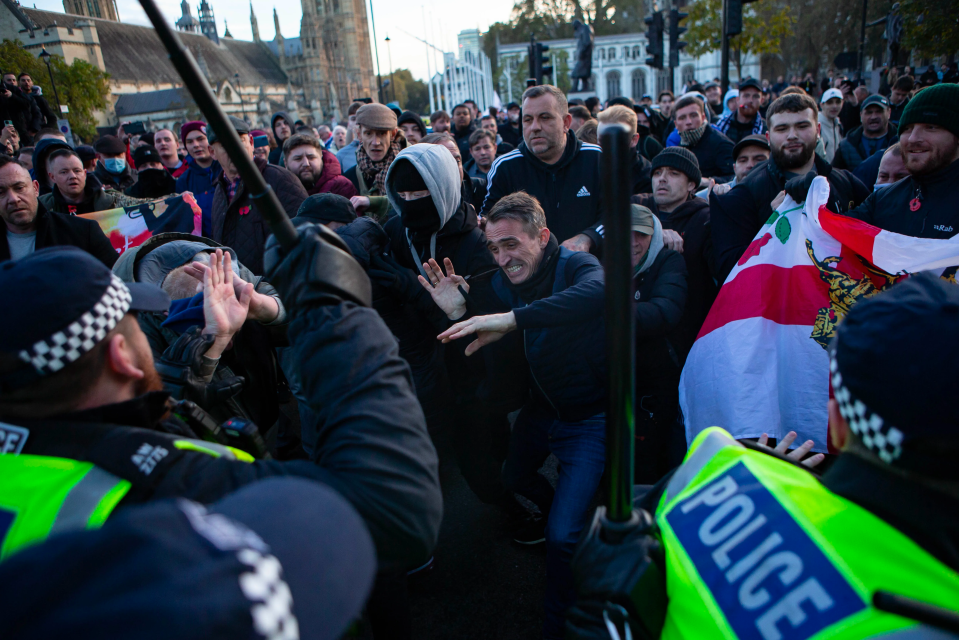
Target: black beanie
680, 159
327, 207
405, 177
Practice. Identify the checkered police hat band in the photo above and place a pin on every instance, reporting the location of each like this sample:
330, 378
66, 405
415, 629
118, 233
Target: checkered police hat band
63, 347
878, 436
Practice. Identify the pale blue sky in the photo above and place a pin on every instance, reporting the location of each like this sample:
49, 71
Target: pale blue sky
392, 18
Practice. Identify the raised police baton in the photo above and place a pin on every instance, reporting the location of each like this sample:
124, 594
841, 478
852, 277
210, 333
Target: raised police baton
620, 338
262, 194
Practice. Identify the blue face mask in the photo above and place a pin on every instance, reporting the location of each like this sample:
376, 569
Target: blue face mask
877, 187
115, 165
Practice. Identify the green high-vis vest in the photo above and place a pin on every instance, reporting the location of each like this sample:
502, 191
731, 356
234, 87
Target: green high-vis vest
757, 548
41, 496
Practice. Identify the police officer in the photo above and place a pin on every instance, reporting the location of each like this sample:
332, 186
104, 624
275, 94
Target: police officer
743, 544
85, 427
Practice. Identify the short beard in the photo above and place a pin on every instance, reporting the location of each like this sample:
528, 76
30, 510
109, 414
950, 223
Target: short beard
308, 182
794, 162
937, 161
150, 381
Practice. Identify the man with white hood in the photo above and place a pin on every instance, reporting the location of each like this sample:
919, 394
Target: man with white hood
435, 227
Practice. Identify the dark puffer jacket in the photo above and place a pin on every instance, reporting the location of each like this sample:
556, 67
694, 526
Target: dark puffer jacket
94, 199
714, 151
691, 221
937, 215
852, 152
568, 321
738, 216
237, 223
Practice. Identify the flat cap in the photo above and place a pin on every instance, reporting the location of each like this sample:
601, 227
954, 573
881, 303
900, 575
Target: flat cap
376, 116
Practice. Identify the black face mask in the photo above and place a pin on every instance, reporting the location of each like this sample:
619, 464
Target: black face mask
420, 215
155, 183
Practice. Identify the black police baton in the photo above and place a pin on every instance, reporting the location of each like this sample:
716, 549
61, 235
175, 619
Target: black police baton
266, 201
620, 337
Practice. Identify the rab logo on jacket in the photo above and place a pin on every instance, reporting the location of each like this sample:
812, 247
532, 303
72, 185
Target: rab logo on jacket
582, 192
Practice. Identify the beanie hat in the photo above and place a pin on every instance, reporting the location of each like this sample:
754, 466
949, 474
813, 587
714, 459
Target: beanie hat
376, 116
145, 153
86, 153
327, 207
680, 159
405, 177
409, 116
188, 127
938, 105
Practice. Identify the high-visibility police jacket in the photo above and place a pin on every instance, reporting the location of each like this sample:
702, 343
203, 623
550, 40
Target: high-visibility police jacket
43, 495
757, 548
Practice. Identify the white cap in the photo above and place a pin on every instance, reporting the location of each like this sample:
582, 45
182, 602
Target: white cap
829, 94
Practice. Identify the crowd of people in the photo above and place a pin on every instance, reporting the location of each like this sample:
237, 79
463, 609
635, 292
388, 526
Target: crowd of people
448, 280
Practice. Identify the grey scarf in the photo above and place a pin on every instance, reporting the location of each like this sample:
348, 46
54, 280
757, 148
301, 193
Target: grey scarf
691, 138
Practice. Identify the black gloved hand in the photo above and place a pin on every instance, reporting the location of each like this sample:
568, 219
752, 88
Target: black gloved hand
319, 270
628, 575
797, 188
365, 237
397, 279
180, 368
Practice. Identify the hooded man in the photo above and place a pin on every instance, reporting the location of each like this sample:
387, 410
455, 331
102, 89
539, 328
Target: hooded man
282, 125
113, 170
686, 229
511, 131
41, 151
830, 128
412, 126
154, 179
74, 190
659, 285
436, 226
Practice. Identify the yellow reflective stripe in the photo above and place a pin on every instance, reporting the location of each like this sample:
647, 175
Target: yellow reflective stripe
241, 455
209, 448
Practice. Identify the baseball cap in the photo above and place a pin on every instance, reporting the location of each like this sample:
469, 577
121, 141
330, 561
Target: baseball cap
145, 153
750, 141
750, 82
875, 99
109, 146
280, 558
901, 339
829, 94
642, 219
709, 85
67, 303
240, 125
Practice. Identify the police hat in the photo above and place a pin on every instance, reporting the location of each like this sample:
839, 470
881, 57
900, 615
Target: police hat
894, 363
281, 558
65, 303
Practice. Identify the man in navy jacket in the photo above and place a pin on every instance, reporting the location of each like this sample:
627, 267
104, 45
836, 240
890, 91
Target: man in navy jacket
556, 299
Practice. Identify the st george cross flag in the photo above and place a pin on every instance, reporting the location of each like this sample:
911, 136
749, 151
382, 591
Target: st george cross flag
759, 364
130, 226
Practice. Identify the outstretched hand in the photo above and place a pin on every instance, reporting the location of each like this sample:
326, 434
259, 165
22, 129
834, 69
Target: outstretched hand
263, 308
488, 329
225, 308
796, 454
444, 289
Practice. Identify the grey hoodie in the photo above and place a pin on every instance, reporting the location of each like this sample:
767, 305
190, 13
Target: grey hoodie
438, 168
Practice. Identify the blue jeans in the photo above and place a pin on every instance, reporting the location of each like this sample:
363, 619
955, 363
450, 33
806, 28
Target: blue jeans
580, 448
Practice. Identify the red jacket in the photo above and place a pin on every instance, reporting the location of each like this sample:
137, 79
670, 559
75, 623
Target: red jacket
332, 180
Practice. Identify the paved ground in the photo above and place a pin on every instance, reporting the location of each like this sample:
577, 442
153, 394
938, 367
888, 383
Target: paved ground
483, 586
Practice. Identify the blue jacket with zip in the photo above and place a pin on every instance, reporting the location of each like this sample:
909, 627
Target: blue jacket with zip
564, 337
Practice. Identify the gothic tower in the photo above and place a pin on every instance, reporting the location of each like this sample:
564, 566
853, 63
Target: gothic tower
208, 22
280, 47
187, 22
253, 25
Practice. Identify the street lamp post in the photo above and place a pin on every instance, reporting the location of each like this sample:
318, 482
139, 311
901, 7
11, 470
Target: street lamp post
236, 82
376, 52
389, 56
46, 58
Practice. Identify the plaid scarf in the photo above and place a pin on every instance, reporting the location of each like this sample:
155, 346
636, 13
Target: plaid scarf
374, 172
